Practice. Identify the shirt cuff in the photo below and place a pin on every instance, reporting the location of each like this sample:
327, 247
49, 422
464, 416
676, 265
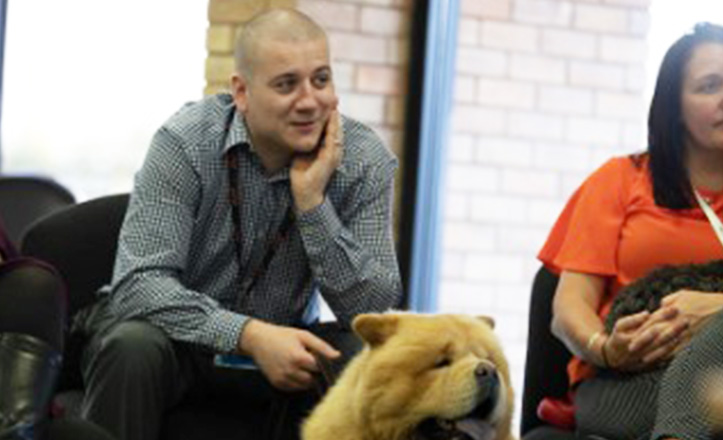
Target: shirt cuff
225, 330
318, 227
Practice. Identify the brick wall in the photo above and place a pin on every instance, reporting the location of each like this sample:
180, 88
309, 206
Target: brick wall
545, 91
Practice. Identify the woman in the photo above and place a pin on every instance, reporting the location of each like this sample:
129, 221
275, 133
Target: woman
633, 214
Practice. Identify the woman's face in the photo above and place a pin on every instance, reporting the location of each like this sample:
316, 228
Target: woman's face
702, 97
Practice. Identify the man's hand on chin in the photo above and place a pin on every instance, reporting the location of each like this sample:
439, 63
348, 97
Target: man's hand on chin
310, 173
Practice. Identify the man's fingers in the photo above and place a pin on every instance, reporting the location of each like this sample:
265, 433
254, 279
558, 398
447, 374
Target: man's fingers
319, 346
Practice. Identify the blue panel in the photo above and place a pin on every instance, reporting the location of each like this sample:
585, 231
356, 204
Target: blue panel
439, 67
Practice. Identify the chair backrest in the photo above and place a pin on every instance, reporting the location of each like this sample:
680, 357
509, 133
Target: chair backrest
24, 199
81, 243
547, 357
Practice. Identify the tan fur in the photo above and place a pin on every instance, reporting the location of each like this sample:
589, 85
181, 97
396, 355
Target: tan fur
396, 381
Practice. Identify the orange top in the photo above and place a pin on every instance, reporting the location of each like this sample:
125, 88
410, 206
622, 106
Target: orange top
612, 227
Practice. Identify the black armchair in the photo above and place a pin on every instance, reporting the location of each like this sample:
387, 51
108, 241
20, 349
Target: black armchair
546, 362
24, 199
81, 243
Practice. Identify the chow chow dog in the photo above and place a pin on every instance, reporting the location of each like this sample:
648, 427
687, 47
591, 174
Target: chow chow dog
646, 292
431, 377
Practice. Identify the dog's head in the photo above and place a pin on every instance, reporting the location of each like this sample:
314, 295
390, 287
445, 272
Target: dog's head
433, 377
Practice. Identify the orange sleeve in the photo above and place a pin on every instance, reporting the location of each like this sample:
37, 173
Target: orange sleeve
586, 235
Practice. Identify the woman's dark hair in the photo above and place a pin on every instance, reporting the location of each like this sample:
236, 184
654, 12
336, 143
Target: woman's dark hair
666, 132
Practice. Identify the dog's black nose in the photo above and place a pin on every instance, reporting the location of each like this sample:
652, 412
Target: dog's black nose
484, 370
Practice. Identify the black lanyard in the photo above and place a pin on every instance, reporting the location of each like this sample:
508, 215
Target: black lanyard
234, 198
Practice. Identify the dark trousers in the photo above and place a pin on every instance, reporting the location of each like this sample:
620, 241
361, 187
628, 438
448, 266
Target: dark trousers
134, 373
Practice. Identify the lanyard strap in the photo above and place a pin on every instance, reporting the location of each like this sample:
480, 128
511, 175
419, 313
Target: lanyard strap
234, 198
712, 217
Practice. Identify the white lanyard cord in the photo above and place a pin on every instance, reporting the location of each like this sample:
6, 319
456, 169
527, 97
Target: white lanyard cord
712, 217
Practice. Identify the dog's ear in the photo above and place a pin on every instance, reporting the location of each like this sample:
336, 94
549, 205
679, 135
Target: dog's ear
488, 319
375, 328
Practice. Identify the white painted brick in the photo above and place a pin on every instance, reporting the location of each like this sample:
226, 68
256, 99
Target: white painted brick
497, 268
536, 126
465, 89
635, 135
569, 43
571, 182
633, 3
457, 297
639, 22
468, 32
479, 120
461, 149
544, 212
538, 68
623, 50
624, 106
514, 298
498, 209
355, 47
464, 236
594, 131
452, 264
566, 100
506, 94
597, 75
366, 108
636, 79
331, 15
383, 21
481, 62
487, 9
509, 36
601, 18
544, 12
530, 183
602, 153
472, 178
553, 157
524, 240
503, 151
456, 206
343, 73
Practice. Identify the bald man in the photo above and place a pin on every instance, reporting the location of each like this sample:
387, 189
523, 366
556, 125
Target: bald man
248, 208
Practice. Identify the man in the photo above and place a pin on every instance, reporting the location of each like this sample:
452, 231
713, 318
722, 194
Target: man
246, 206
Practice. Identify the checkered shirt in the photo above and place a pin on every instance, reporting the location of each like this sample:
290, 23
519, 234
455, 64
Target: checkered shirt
177, 265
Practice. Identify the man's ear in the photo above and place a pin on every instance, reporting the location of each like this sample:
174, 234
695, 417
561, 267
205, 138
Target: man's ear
375, 328
239, 91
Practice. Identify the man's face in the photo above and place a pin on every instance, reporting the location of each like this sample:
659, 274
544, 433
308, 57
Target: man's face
288, 97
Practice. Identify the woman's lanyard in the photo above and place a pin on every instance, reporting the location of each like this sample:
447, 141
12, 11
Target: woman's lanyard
712, 217
235, 197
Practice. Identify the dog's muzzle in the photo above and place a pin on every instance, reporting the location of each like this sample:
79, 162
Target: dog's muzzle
477, 424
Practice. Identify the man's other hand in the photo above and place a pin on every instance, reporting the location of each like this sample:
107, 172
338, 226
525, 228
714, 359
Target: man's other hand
284, 354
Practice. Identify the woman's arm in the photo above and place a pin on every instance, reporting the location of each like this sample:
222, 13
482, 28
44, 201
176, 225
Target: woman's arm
577, 324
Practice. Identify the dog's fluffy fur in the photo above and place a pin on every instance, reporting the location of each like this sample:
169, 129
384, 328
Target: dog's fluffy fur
646, 293
419, 377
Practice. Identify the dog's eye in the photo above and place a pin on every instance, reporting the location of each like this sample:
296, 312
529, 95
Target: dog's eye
442, 362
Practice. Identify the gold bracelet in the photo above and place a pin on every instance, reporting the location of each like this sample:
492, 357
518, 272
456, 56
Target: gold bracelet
591, 341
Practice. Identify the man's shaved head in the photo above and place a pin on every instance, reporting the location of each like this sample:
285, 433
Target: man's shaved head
284, 25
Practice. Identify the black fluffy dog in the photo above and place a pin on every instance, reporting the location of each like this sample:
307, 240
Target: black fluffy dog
647, 292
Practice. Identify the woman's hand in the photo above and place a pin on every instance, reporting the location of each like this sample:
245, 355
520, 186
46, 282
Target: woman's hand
693, 306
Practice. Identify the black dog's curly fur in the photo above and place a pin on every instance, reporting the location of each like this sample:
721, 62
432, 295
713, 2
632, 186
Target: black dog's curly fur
646, 292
